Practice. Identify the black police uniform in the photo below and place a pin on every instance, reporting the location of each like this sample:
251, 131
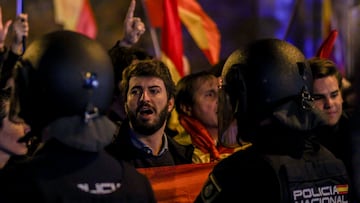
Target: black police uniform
274, 171
267, 87
337, 139
59, 173
63, 88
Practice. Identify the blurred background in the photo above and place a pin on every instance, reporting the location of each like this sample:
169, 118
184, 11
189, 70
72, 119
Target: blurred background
305, 23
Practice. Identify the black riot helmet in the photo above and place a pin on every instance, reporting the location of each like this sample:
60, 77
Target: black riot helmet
63, 74
269, 78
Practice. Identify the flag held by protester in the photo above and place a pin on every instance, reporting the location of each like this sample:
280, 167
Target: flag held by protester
76, 16
171, 40
180, 183
200, 26
327, 46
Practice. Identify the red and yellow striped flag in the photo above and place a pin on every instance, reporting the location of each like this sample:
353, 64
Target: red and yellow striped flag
76, 16
200, 26
171, 40
327, 46
326, 12
180, 183
342, 189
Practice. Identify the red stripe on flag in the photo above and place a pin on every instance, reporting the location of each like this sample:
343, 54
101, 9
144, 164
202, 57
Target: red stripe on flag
171, 35
86, 22
327, 46
202, 28
342, 189
181, 183
155, 12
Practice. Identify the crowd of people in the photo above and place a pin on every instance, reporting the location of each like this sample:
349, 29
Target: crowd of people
77, 121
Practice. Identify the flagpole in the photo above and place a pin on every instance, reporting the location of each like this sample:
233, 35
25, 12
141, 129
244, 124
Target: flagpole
153, 33
19, 10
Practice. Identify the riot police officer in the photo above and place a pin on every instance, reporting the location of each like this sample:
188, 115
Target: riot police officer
266, 96
63, 87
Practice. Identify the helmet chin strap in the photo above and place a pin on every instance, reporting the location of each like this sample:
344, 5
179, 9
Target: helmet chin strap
296, 117
92, 136
306, 99
91, 113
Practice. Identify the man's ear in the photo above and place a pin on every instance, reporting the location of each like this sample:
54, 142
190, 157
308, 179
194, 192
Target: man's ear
171, 104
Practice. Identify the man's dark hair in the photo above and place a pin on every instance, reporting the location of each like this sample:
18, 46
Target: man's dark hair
322, 67
148, 68
185, 88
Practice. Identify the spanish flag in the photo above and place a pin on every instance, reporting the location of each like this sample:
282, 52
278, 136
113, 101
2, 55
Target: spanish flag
331, 47
180, 183
200, 26
76, 16
171, 40
326, 12
327, 46
342, 189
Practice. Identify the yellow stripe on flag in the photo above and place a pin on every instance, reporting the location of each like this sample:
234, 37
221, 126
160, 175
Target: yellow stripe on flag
342, 189
326, 17
67, 12
202, 28
76, 16
172, 68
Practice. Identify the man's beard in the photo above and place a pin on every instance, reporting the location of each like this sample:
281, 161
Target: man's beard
145, 128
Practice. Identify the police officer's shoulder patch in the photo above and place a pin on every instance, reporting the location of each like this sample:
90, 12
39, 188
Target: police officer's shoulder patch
210, 190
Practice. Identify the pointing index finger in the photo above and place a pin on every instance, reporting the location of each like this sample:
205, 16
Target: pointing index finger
131, 10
